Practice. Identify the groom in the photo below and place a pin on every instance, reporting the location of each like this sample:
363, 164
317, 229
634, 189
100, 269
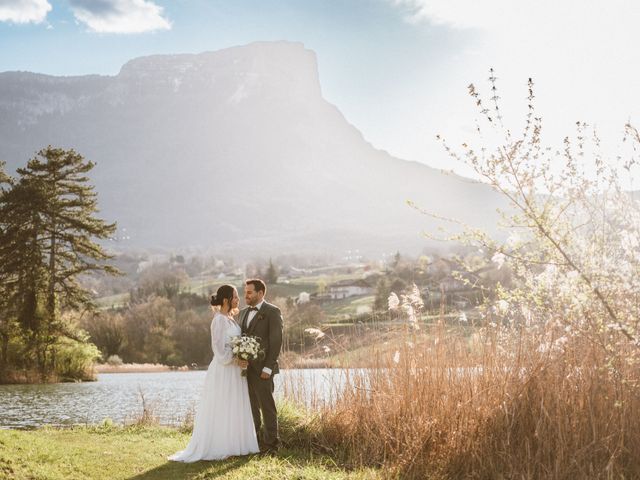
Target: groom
263, 320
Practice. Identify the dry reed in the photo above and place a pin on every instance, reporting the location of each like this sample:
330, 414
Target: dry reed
445, 408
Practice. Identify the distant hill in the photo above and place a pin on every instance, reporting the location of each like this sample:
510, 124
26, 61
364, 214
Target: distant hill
232, 149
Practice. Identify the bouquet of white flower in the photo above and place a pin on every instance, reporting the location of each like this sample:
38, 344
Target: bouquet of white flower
245, 347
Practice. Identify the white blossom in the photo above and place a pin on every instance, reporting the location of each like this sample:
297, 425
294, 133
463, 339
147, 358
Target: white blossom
499, 258
409, 310
315, 332
415, 298
393, 301
514, 240
629, 240
502, 306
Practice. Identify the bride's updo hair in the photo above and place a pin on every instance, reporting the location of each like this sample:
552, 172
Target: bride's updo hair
224, 292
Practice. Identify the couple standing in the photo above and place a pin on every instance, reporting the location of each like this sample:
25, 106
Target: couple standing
233, 409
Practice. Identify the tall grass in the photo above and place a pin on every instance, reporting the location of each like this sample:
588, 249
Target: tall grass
447, 411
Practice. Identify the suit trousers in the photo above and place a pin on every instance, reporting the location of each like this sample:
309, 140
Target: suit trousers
263, 408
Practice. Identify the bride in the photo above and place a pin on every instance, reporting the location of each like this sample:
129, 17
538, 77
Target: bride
223, 425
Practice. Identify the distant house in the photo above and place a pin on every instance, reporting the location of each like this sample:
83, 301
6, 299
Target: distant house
348, 288
303, 297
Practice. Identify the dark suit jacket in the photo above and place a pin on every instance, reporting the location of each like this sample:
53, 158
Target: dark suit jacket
267, 325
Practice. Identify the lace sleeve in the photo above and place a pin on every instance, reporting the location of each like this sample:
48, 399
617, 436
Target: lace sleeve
219, 341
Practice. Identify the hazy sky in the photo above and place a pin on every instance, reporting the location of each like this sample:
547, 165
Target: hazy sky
397, 69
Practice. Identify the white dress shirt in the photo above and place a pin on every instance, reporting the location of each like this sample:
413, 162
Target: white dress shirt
253, 313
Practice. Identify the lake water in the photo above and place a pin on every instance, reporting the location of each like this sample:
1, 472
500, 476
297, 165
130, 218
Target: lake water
172, 396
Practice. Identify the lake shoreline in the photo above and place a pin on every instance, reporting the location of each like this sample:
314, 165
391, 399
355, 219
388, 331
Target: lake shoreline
32, 378
308, 364
142, 368
170, 396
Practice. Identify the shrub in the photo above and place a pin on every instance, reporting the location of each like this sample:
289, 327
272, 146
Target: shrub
114, 360
74, 360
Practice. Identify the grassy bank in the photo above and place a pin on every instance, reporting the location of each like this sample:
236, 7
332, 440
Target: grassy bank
140, 453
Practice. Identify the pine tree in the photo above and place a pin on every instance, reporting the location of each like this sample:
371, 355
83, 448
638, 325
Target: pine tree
4, 178
271, 277
21, 265
5, 316
21, 271
49, 243
396, 260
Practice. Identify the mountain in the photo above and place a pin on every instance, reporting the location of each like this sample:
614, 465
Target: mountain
233, 149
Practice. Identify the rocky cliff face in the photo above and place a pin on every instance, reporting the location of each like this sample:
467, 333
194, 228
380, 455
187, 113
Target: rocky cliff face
231, 149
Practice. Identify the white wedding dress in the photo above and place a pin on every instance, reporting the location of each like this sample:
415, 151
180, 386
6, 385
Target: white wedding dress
223, 425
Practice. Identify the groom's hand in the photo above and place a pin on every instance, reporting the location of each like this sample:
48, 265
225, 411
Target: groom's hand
264, 376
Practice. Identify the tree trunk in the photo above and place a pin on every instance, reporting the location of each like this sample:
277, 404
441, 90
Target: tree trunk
4, 350
51, 296
47, 361
40, 360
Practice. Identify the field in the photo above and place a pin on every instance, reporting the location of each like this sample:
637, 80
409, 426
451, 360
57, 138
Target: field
113, 453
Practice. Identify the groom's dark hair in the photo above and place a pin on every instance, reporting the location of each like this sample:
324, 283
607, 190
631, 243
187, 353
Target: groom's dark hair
258, 284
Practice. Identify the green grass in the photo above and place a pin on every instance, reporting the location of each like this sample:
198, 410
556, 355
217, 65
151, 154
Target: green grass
327, 279
290, 289
205, 285
140, 453
115, 301
336, 310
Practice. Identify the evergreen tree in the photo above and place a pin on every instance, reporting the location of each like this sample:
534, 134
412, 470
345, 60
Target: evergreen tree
21, 267
5, 317
383, 290
271, 277
396, 260
69, 225
49, 227
4, 178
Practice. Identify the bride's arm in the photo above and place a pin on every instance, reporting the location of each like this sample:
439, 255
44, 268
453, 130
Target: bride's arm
221, 349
